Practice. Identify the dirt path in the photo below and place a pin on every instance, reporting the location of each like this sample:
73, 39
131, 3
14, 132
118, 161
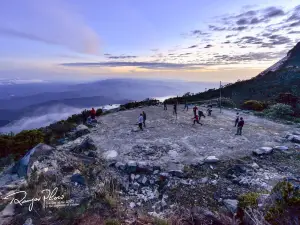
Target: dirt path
167, 140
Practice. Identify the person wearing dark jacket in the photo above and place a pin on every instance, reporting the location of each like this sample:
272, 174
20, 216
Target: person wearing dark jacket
186, 106
165, 106
175, 109
237, 119
240, 126
144, 117
200, 114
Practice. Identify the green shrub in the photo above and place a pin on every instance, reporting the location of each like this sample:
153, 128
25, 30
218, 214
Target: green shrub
20, 143
279, 110
254, 105
99, 112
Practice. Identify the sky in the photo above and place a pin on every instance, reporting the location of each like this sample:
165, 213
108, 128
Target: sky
191, 40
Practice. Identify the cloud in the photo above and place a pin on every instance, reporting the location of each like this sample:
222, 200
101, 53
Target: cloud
271, 12
208, 46
147, 65
231, 35
269, 40
294, 32
198, 32
215, 28
49, 22
122, 57
193, 46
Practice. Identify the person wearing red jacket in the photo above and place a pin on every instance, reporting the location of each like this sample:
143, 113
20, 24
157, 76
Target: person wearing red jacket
93, 113
196, 120
195, 110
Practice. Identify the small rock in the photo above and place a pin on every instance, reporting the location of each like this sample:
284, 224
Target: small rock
78, 178
132, 176
120, 166
231, 204
144, 180
214, 182
281, 148
263, 151
211, 159
211, 167
131, 167
296, 139
204, 180
132, 204
177, 173
156, 172
163, 203
296, 132
229, 189
255, 165
28, 222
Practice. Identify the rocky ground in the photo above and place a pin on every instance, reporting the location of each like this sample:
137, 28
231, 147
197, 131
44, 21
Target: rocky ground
169, 165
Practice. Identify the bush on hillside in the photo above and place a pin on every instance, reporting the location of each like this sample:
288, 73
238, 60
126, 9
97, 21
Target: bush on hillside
279, 110
79, 118
254, 105
17, 145
99, 112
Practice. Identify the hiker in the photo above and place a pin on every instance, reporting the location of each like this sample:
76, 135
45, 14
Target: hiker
237, 119
196, 120
175, 109
240, 126
144, 118
195, 110
140, 121
209, 110
93, 113
186, 106
200, 114
165, 106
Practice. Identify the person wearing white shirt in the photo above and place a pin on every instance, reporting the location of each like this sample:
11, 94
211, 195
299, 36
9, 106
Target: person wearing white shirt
140, 121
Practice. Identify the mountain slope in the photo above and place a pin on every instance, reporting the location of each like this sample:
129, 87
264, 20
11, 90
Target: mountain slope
283, 76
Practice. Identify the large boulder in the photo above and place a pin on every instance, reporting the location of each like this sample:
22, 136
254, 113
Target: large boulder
23, 166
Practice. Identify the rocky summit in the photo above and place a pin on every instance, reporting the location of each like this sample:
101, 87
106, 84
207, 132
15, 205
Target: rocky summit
114, 168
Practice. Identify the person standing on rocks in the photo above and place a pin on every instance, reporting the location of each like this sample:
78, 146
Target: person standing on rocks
237, 119
209, 110
144, 118
186, 106
175, 109
200, 114
165, 106
240, 126
140, 121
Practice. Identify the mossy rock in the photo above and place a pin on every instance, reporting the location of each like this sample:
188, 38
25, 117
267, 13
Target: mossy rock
112, 222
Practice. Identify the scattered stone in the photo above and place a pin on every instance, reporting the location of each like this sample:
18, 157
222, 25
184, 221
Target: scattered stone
144, 167
163, 203
144, 180
132, 176
214, 182
296, 133
231, 204
296, 139
132, 204
120, 166
281, 148
211, 159
177, 173
109, 155
263, 151
204, 180
131, 167
156, 172
86, 145
229, 189
81, 130
255, 165
78, 178
92, 154
28, 222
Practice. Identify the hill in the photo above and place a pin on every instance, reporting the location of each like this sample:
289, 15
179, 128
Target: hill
282, 77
